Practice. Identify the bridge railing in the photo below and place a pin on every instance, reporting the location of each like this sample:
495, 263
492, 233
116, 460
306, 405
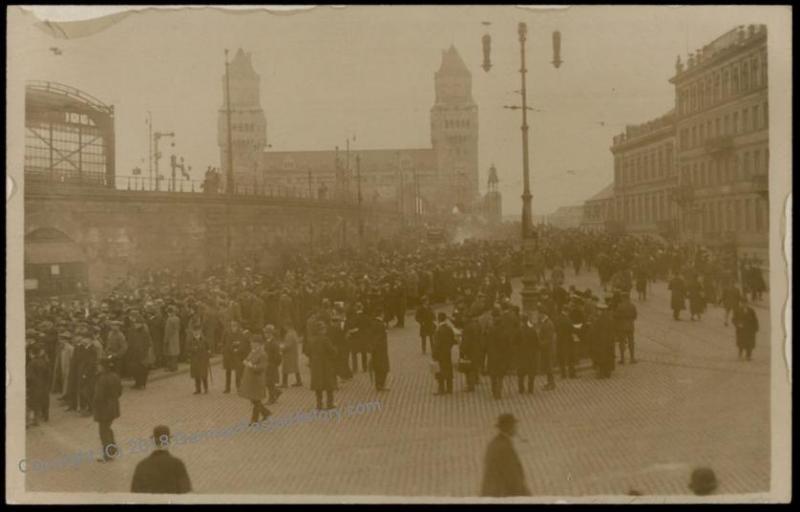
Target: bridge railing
143, 184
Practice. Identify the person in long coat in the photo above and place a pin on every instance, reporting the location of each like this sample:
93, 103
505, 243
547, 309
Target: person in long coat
746, 322
172, 339
470, 352
139, 347
107, 390
62, 364
602, 336
697, 303
37, 376
378, 352
678, 296
503, 474
199, 356
290, 356
526, 355
730, 299
234, 349
498, 353
444, 339
339, 337
322, 360
625, 315
427, 327
116, 345
546, 335
254, 380
273, 349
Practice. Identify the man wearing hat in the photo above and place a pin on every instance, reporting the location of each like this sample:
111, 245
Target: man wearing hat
425, 318
503, 474
442, 353
199, 354
603, 340
37, 376
273, 351
62, 364
378, 347
116, 345
105, 404
161, 472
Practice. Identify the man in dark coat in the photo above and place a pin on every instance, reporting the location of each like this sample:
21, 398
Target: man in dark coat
498, 353
338, 336
603, 341
746, 323
235, 349
624, 318
199, 353
322, 358
273, 349
379, 351
160, 472
470, 351
444, 339
503, 474
526, 355
678, 297
546, 335
357, 337
37, 376
564, 343
105, 404
427, 327
139, 346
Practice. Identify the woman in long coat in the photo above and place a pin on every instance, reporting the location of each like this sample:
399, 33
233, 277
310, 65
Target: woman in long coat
746, 323
290, 355
254, 381
697, 302
199, 355
172, 338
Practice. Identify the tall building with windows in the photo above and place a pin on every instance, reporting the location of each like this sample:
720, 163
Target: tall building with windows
722, 125
436, 178
645, 177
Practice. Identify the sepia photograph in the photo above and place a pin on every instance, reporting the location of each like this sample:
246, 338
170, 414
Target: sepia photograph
398, 254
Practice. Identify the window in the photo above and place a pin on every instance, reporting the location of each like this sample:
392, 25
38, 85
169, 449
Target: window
746, 166
694, 180
702, 133
766, 161
754, 72
748, 215
684, 139
745, 121
702, 180
766, 116
716, 127
726, 171
712, 220
764, 69
757, 162
759, 214
725, 84
735, 123
727, 124
694, 137
735, 81
745, 77
756, 118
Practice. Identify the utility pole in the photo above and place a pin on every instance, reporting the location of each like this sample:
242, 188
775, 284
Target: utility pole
527, 221
150, 147
229, 184
360, 199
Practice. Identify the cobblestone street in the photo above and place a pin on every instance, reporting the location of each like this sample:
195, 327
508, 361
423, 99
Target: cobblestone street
688, 402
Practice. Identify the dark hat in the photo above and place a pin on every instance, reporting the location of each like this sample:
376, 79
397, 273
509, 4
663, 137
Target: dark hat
505, 420
441, 316
703, 481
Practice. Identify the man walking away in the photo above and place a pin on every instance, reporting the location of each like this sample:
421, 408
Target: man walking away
545, 332
746, 323
107, 391
160, 472
625, 315
503, 474
425, 319
442, 346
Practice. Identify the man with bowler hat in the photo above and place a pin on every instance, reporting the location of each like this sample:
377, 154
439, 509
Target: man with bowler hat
503, 474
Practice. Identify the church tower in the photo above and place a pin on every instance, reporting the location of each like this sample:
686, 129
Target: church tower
248, 123
454, 131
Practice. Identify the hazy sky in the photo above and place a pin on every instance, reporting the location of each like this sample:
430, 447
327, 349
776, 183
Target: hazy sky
328, 73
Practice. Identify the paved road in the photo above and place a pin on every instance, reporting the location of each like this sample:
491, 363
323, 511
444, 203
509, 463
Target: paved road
688, 402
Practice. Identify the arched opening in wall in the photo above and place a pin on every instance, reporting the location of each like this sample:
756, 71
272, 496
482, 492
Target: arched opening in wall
54, 265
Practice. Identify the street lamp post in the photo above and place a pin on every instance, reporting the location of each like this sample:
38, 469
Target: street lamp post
360, 200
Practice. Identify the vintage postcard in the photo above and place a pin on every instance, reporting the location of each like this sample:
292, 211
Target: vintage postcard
398, 254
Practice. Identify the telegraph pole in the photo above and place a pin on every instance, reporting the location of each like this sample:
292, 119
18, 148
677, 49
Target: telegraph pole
150, 147
360, 199
527, 221
229, 185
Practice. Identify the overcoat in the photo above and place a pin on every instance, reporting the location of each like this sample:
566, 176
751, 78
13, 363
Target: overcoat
254, 381
290, 352
172, 336
107, 390
746, 323
502, 470
322, 356
199, 355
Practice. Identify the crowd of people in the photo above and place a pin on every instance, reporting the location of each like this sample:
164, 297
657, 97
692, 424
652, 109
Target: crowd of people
335, 308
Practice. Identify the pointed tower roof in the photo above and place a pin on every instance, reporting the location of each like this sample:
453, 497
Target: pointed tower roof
452, 63
241, 63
